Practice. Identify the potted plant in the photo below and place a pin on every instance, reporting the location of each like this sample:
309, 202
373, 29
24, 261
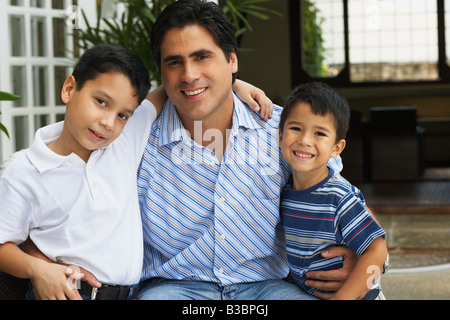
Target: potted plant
133, 28
4, 96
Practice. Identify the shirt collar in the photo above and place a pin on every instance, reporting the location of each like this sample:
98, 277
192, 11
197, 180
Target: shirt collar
45, 159
174, 131
39, 154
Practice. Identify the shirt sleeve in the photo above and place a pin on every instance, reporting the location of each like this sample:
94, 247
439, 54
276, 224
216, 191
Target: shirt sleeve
356, 227
15, 215
137, 129
336, 164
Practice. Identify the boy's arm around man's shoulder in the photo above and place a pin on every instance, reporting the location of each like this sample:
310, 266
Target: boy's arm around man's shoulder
157, 97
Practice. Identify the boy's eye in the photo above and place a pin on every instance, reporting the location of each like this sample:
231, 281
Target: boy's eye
296, 129
320, 134
101, 101
123, 116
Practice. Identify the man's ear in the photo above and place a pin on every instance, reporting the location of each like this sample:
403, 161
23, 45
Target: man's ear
68, 87
234, 62
338, 148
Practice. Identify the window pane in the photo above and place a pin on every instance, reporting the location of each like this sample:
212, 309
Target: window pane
59, 37
61, 74
18, 3
19, 85
41, 120
60, 117
393, 40
58, 4
37, 3
38, 37
323, 37
40, 83
21, 132
447, 29
17, 37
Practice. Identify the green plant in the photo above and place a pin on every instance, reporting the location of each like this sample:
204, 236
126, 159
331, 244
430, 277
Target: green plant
313, 43
132, 29
4, 96
238, 10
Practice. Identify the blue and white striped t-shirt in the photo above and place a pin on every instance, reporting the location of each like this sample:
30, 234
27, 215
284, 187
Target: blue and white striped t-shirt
330, 213
210, 221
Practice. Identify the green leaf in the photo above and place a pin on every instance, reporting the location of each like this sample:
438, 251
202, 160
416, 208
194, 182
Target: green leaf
8, 96
3, 128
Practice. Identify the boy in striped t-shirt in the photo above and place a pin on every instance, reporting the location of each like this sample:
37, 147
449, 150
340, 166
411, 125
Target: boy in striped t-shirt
319, 208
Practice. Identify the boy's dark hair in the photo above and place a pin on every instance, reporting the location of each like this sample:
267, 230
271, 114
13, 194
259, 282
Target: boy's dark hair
323, 100
113, 58
184, 13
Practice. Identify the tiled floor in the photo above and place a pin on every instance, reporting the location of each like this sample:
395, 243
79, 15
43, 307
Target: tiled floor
407, 197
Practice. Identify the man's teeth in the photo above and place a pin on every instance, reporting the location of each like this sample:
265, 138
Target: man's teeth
303, 155
193, 93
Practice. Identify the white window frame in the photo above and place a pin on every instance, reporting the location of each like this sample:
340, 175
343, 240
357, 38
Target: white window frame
8, 146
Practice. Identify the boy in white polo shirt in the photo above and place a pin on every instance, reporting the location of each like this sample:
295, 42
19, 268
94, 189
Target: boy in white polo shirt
73, 192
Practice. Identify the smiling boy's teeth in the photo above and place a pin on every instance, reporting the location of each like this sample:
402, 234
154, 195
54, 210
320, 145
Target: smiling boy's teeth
193, 93
303, 155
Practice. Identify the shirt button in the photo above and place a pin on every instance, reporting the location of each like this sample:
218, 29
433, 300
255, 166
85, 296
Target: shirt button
222, 199
212, 163
72, 160
94, 185
223, 237
221, 271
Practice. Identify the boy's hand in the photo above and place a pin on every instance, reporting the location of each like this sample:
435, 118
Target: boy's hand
255, 98
332, 280
71, 273
52, 281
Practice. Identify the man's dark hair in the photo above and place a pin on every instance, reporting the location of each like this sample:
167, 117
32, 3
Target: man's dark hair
184, 13
323, 100
113, 58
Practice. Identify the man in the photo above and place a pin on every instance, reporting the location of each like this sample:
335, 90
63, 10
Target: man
211, 175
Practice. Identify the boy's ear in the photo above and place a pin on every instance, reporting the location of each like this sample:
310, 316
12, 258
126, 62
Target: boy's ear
338, 147
280, 135
68, 87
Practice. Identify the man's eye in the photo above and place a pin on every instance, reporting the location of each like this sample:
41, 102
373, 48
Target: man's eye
174, 63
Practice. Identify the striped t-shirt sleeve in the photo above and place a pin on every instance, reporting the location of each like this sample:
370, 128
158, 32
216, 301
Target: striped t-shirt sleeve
355, 227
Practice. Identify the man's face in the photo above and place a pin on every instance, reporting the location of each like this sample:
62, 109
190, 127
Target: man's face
196, 74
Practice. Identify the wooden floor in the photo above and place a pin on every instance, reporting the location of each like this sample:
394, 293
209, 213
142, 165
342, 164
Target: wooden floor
430, 194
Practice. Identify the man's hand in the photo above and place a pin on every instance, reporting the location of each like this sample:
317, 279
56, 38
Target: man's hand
328, 282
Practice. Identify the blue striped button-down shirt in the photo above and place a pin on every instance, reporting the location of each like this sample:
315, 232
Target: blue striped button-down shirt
210, 221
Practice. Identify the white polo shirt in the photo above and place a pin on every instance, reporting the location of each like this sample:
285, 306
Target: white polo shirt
85, 214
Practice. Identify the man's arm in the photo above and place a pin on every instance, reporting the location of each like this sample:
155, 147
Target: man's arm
361, 278
332, 280
329, 282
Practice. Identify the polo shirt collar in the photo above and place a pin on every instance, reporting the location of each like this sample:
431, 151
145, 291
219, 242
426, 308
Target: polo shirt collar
39, 154
174, 131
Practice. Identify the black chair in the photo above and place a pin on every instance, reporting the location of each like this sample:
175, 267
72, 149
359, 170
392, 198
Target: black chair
354, 154
396, 147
